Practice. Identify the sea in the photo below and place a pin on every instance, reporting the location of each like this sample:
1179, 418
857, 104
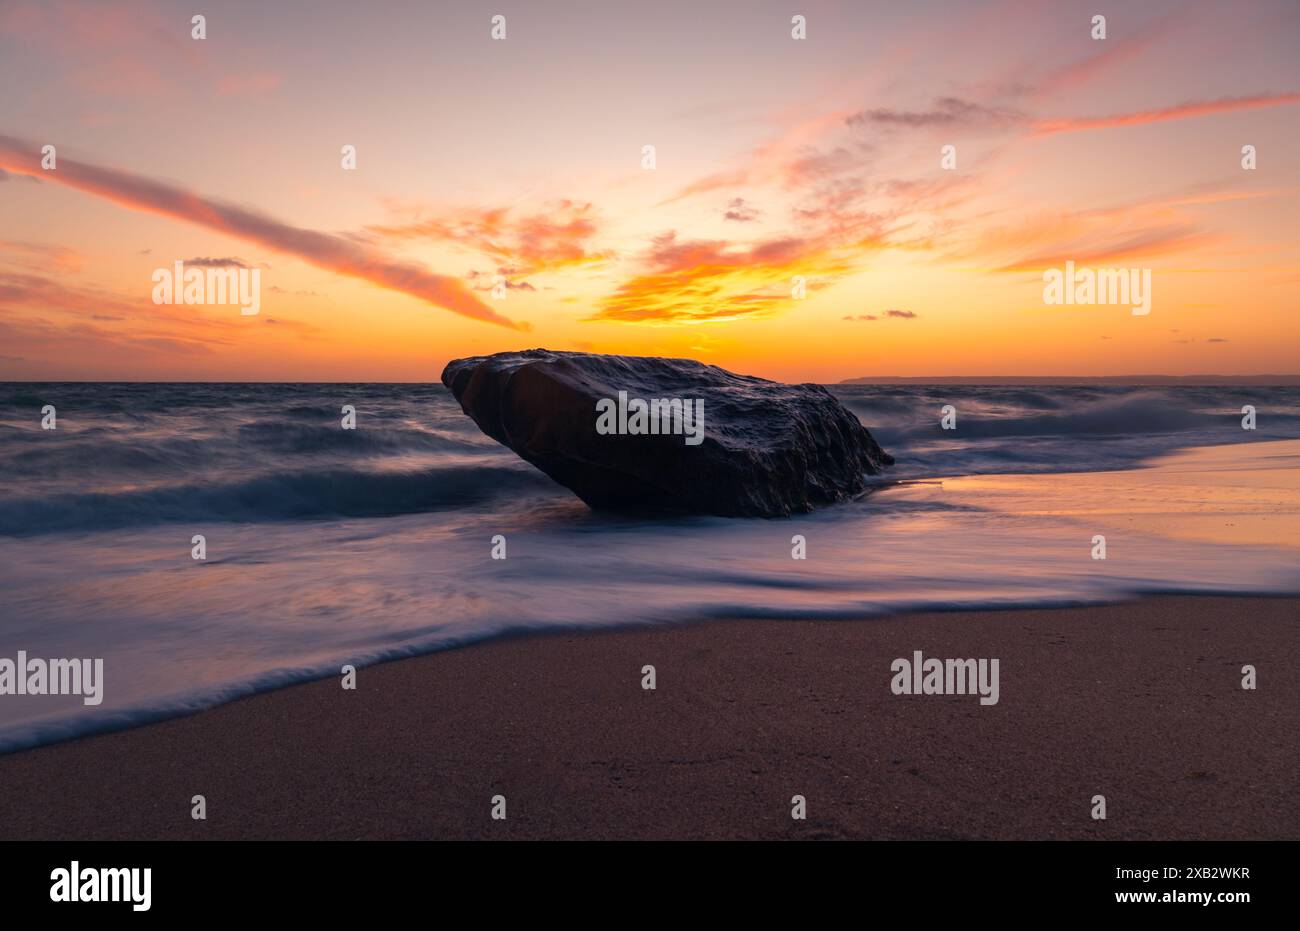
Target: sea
327, 546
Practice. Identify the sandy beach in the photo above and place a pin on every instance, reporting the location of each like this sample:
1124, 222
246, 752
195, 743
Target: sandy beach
1141, 702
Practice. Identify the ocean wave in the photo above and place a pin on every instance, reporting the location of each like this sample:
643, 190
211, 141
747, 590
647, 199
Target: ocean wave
128, 454
1140, 414
284, 436
288, 496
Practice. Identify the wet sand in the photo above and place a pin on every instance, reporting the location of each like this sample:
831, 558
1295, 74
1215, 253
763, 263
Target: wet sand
1140, 702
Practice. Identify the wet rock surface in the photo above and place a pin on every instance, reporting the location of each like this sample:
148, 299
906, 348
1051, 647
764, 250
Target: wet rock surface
763, 448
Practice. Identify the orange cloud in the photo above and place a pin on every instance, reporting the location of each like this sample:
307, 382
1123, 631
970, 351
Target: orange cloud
787, 160
713, 282
1177, 112
336, 254
1098, 236
522, 245
40, 254
53, 320
839, 215
1111, 248
43, 342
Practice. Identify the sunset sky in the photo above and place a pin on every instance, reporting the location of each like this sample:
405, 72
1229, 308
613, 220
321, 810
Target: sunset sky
775, 158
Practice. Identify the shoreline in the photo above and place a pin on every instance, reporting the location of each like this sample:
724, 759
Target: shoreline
1139, 700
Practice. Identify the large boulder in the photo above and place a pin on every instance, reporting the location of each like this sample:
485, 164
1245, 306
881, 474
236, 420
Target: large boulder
767, 449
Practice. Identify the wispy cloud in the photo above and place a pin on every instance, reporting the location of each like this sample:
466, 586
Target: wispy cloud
338, 254
559, 237
138, 50
1117, 51
1180, 111
6, 176
946, 112
203, 262
49, 317
1083, 239
740, 212
42, 254
889, 314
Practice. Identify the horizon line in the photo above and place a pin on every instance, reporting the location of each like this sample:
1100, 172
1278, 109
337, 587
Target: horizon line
1206, 380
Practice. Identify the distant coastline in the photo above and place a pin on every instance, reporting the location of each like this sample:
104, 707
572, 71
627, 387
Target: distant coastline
1127, 380
1202, 381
